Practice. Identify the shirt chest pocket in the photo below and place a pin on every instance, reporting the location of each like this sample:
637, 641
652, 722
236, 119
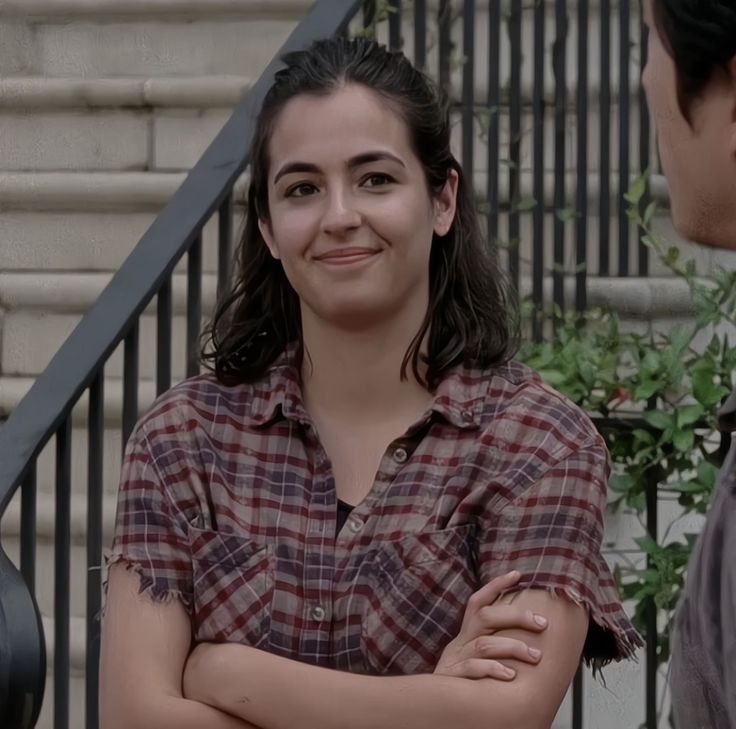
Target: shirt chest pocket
420, 586
233, 581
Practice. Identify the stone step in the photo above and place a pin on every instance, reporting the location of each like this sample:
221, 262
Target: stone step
64, 10
52, 94
92, 191
112, 124
136, 39
47, 306
76, 240
142, 46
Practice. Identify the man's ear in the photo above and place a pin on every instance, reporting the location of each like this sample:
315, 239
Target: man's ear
265, 227
445, 204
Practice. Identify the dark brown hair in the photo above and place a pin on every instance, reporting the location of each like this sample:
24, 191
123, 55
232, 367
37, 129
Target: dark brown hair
470, 317
700, 35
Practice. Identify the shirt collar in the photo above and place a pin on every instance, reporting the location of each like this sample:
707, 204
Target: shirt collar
459, 398
279, 393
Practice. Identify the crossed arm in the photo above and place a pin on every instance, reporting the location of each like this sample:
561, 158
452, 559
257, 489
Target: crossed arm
147, 682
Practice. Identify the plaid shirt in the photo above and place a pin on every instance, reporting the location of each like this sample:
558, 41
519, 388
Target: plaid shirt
228, 503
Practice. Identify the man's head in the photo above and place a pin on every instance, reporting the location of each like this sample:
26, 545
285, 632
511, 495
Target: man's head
690, 81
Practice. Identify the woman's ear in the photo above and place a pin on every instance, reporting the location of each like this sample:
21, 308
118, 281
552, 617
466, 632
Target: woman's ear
265, 227
445, 204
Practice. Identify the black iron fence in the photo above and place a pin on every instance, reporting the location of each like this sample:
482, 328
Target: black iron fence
550, 124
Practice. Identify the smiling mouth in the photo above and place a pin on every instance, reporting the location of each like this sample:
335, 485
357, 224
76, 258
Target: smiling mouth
346, 257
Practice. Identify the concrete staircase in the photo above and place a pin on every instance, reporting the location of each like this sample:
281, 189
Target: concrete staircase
104, 106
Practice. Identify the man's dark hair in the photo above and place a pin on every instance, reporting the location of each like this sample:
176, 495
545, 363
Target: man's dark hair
700, 35
470, 318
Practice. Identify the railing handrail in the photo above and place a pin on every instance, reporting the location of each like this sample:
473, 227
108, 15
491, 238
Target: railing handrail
39, 414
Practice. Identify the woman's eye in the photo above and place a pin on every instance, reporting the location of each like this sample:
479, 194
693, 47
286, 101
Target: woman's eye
301, 190
377, 180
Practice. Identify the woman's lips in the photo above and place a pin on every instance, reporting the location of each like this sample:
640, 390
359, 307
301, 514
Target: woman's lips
347, 257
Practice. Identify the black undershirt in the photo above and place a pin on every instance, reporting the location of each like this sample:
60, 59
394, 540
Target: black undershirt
343, 512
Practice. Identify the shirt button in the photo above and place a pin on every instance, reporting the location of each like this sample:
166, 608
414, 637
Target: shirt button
318, 613
400, 455
467, 415
355, 524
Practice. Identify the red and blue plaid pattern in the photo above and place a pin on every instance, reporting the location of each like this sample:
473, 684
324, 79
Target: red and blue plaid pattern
227, 503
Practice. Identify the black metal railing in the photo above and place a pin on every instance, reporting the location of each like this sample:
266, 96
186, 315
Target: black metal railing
535, 207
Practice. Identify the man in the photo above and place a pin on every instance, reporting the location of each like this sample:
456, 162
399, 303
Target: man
690, 81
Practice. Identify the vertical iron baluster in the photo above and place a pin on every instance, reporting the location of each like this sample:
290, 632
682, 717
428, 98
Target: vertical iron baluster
444, 18
651, 609
581, 206
644, 144
577, 699
163, 337
494, 111
62, 548
420, 33
28, 528
468, 86
538, 110
95, 492
604, 203
224, 246
394, 26
560, 72
514, 25
369, 13
623, 139
194, 305
130, 382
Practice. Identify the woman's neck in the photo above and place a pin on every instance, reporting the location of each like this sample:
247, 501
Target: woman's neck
349, 373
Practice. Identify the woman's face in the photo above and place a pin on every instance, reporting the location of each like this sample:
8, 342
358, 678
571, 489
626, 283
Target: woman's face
698, 157
350, 215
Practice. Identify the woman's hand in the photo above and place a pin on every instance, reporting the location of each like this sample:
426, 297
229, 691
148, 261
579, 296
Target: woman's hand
476, 652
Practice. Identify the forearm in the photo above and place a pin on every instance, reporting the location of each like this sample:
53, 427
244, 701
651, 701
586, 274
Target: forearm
163, 712
278, 693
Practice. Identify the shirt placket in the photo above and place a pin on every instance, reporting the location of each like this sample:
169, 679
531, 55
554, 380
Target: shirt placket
319, 562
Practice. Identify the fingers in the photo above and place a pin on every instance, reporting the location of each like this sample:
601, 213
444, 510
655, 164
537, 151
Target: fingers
492, 618
481, 668
500, 647
489, 593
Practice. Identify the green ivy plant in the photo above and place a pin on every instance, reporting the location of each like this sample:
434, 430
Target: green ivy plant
654, 397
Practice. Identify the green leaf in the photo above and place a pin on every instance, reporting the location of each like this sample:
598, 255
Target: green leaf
689, 414
554, 378
636, 190
683, 440
526, 204
647, 389
707, 474
658, 419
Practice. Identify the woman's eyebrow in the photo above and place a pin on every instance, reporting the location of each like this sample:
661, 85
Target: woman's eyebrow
359, 159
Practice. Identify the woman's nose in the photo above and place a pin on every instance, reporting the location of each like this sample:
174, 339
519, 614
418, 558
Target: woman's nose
341, 214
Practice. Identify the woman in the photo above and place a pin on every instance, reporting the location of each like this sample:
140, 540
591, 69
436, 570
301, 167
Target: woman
690, 80
364, 458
